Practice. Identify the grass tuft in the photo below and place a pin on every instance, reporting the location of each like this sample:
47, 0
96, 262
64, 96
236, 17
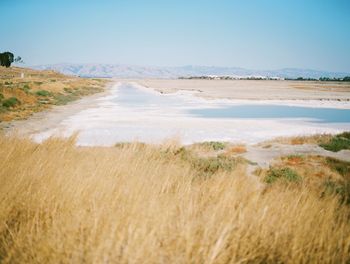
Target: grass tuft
284, 174
43, 93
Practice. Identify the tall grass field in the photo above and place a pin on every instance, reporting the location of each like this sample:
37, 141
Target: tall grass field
136, 203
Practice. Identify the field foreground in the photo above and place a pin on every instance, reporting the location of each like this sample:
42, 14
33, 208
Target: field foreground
137, 203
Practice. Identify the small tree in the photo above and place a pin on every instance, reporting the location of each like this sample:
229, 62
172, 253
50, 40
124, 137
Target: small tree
6, 58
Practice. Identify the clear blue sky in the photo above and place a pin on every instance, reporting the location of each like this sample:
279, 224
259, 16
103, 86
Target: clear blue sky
256, 34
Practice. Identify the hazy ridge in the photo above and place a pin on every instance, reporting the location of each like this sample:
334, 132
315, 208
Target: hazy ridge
134, 71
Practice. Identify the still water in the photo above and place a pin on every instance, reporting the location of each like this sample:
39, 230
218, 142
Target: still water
131, 112
130, 96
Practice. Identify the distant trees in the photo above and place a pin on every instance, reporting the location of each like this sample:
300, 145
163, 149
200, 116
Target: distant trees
327, 79
6, 58
322, 79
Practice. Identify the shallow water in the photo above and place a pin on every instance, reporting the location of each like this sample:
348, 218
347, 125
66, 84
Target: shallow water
324, 115
132, 112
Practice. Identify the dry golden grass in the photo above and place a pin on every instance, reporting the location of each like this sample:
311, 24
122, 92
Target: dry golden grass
142, 204
300, 140
60, 89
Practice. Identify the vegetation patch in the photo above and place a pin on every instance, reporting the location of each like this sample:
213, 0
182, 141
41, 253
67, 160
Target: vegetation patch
214, 145
211, 165
340, 166
207, 166
61, 99
10, 102
338, 142
43, 93
285, 174
338, 188
26, 88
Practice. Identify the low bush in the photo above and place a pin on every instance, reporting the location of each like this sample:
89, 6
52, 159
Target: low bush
336, 144
285, 174
10, 102
215, 145
207, 166
42, 93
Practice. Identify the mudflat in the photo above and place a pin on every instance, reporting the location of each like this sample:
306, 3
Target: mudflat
254, 89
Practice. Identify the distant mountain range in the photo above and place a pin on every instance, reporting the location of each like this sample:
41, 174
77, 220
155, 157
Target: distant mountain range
132, 71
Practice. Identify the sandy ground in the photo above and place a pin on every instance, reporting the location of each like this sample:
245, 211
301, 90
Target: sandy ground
255, 90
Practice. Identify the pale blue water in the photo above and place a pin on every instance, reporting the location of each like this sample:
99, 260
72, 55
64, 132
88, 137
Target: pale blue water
324, 115
130, 96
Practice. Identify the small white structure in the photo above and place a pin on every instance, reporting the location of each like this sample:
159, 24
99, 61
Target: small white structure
22, 75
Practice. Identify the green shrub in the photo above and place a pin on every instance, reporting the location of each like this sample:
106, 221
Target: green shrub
337, 143
1, 97
43, 93
206, 166
344, 135
212, 165
215, 145
10, 102
285, 174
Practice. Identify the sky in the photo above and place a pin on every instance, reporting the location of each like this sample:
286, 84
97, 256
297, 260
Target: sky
253, 34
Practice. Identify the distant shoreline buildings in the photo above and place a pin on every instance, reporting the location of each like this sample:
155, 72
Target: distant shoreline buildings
256, 78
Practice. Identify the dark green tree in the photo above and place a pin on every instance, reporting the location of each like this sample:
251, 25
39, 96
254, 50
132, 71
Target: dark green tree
6, 58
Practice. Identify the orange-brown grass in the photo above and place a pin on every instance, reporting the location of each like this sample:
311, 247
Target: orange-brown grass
59, 89
315, 171
236, 149
138, 204
299, 140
